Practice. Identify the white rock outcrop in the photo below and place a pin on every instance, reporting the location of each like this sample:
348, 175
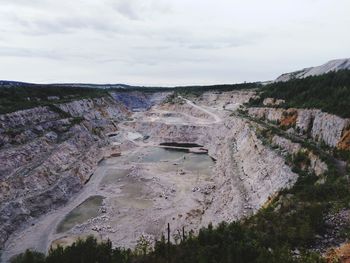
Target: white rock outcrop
47, 154
318, 125
333, 65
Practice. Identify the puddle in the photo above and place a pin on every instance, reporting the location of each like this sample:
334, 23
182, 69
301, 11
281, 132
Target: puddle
114, 175
155, 154
86, 210
132, 195
198, 163
176, 144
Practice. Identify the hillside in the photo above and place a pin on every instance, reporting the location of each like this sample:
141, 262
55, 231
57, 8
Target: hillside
329, 92
333, 65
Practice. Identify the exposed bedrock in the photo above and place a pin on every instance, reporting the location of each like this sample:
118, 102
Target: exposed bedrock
247, 173
320, 126
139, 100
47, 154
317, 165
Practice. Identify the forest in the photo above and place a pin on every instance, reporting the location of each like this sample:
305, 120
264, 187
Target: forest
24, 96
329, 92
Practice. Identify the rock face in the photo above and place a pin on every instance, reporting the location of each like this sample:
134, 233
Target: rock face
316, 165
320, 126
247, 172
333, 65
344, 143
251, 172
137, 100
272, 102
328, 128
93, 109
47, 154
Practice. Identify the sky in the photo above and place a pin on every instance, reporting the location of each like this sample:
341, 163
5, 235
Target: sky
168, 42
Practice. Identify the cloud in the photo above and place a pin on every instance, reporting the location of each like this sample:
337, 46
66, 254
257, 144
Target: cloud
42, 25
141, 10
29, 53
162, 41
126, 8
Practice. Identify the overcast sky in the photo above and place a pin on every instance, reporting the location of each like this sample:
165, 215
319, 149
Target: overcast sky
168, 42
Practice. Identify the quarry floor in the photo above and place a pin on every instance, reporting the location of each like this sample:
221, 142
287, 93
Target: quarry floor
134, 195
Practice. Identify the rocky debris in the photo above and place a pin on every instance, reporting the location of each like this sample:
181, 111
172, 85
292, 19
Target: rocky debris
182, 172
103, 228
273, 102
207, 189
196, 189
97, 224
335, 224
135, 172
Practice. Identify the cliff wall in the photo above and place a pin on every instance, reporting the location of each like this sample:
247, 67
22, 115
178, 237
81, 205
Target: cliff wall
47, 154
320, 126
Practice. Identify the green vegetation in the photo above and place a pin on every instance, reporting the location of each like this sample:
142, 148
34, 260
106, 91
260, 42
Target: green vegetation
329, 92
173, 98
83, 251
226, 243
198, 90
23, 95
27, 96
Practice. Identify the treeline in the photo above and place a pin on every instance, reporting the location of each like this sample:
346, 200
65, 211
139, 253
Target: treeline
329, 92
227, 243
23, 96
198, 90
18, 96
